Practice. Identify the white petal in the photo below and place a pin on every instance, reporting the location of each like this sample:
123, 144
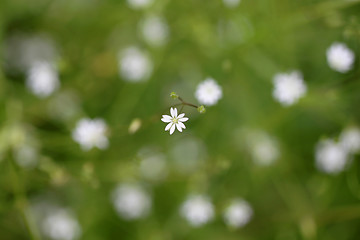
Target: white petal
168, 126
175, 112
172, 129
181, 115
167, 116
183, 119
178, 127
166, 120
172, 112
181, 125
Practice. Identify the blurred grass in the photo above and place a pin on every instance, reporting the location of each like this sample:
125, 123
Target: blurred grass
242, 49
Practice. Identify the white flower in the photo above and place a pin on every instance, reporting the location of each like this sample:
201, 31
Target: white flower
26, 156
238, 213
21, 51
208, 92
42, 79
197, 210
264, 148
131, 201
153, 167
350, 139
134, 65
330, 156
139, 4
339, 57
90, 133
174, 121
289, 87
231, 3
155, 31
60, 224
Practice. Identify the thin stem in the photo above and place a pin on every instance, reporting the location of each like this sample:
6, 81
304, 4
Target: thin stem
186, 103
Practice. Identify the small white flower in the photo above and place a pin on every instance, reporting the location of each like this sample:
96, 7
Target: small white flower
90, 133
134, 65
339, 57
197, 210
330, 156
131, 201
155, 31
26, 156
174, 121
139, 4
153, 167
238, 214
231, 3
289, 87
350, 139
60, 224
208, 92
42, 79
264, 148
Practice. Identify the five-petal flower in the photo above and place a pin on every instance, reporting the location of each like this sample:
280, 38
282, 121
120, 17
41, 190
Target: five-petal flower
174, 120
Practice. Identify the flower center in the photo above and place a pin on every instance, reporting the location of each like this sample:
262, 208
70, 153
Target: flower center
175, 120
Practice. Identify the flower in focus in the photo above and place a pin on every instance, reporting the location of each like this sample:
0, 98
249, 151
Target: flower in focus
339, 57
330, 156
350, 139
208, 92
155, 31
174, 120
90, 133
238, 213
134, 65
289, 87
131, 201
231, 3
139, 4
42, 79
60, 224
197, 210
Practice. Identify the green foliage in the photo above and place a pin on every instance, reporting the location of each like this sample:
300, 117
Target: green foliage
242, 48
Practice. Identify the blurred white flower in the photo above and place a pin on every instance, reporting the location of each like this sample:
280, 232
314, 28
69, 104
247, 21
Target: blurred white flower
264, 148
197, 210
131, 201
139, 4
188, 154
26, 156
60, 224
134, 65
238, 213
330, 156
350, 139
91, 133
289, 87
208, 92
42, 79
231, 3
154, 30
153, 166
339, 57
22, 51
174, 121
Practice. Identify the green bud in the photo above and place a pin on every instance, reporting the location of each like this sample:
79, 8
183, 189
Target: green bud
173, 95
201, 109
